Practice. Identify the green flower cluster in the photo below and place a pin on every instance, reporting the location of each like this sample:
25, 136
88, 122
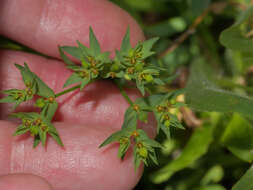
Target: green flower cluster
38, 124
129, 66
129, 63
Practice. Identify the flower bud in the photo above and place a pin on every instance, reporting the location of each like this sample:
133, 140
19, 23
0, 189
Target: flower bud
34, 130
149, 78
127, 77
143, 152
40, 103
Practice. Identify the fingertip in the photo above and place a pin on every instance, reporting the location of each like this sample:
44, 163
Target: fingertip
43, 25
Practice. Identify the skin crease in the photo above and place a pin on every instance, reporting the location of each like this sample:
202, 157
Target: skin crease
84, 119
19, 181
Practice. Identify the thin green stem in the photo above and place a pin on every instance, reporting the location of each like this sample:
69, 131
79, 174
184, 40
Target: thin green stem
67, 91
123, 92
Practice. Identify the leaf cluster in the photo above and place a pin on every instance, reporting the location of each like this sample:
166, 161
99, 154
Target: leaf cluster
37, 124
129, 66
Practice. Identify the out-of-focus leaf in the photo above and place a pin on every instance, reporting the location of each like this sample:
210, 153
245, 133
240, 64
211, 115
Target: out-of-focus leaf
245, 183
146, 5
235, 38
238, 137
198, 6
213, 175
195, 148
204, 95
211, 187
166, 28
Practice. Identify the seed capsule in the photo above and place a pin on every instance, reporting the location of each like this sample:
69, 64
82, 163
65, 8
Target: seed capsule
136, 107
139, 145
38, 121
83, 74
135, 134
160, 108
95, 71
51, 99
29, 92
130, 70
112, 74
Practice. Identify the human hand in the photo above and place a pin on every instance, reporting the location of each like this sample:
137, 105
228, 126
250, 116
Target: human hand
84, 119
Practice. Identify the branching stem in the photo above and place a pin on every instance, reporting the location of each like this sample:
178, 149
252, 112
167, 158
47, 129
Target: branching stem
67, 91
123, 92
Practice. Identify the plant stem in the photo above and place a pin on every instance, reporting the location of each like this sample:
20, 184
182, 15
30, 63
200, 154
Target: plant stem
123, 92
67, 91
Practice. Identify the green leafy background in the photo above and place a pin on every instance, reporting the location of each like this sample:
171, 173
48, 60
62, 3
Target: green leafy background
217, 60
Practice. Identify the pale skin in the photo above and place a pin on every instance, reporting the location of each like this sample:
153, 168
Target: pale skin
84, 119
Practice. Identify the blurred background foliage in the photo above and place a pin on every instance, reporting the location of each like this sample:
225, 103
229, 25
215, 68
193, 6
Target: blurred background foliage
207, 48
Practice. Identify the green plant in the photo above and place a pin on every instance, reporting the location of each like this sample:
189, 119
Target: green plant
214, 151
128, 67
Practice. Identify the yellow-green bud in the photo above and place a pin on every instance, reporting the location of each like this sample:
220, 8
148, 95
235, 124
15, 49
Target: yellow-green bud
149, 78
34, 130
143, 152
115, 67
127, 77
167, 123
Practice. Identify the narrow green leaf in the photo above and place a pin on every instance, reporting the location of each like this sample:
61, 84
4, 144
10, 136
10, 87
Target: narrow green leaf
245, 183
43, 136
166, 130
21, 130
84, 82
27, 75
7, 99
147, 45
115, 137
49, 110
74, 51
36, 141
56, 137
123, 149
74, 78
94, 44
141, 87
64, 57
30, 77
125, 44
85, 51
146, 140
130, 119
43, 89
202, 136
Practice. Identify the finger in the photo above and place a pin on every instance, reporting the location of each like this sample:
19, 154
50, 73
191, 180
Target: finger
23, 182
44, 24
90, 106
80, 165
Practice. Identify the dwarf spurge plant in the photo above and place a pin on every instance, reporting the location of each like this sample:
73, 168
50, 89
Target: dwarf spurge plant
129, 67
